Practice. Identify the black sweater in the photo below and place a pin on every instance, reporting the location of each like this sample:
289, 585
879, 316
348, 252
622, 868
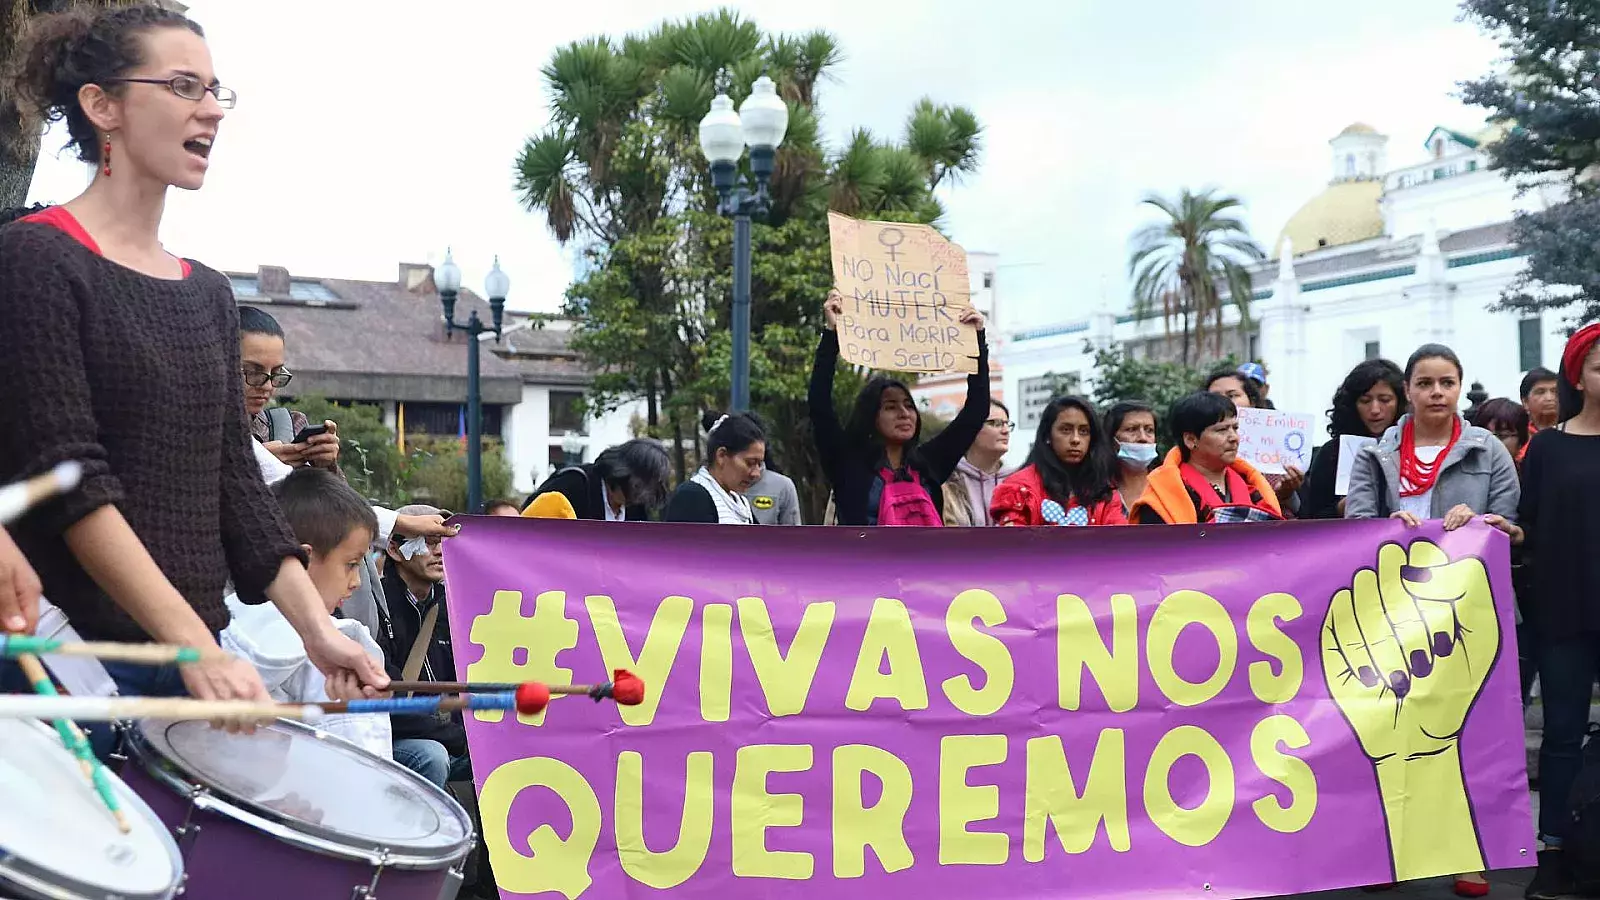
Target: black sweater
1560, 516
137, 378
854, 469
1317, 497
586, 491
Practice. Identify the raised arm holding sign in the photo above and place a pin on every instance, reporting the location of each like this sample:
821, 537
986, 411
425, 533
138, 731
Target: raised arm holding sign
905, 290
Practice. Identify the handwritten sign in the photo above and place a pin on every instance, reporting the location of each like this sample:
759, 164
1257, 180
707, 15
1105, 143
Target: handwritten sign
1271, 439
904, 289
1349, 448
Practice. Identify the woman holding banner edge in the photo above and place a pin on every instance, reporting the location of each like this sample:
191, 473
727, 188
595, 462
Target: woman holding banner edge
1433, 465
880, 472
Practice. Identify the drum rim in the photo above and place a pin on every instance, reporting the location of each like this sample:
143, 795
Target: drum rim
35, 880
177, 777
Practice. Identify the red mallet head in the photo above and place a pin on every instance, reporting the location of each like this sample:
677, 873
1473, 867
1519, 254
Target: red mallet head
532, 698
626, 688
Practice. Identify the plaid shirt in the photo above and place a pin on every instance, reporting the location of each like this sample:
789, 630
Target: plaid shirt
261, 428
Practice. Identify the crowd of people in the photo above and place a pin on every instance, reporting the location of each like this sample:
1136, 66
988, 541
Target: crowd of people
211, 516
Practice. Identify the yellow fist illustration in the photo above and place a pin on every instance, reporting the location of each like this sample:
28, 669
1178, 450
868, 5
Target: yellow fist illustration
1406, 650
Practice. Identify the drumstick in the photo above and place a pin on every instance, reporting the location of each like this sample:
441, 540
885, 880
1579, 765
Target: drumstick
626, 688
104, 709
111, 709
75, 740
148, 654
18, 498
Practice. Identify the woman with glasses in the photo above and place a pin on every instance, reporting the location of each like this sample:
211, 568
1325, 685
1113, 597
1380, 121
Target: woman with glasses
121, 355
970, 490
1068, 478
282, 431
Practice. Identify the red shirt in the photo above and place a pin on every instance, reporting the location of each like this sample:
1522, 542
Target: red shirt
1018, 499
58, 217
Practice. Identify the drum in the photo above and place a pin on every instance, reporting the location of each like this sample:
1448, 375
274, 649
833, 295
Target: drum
290, 812
58, 841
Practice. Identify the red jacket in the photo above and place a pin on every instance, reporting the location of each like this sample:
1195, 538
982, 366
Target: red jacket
1018, 498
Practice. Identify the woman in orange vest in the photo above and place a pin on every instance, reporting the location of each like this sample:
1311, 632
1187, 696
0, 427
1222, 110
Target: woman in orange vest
1067, 480
1203, 479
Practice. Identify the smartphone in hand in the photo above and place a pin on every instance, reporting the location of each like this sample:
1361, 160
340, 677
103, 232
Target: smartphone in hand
308, 432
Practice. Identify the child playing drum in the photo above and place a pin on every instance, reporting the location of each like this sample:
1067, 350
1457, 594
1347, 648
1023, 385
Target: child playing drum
335, 528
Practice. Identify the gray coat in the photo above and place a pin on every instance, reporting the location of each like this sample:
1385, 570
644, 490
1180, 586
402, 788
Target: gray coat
1478, 471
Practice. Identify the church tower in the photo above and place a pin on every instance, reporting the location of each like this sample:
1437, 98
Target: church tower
1359, 154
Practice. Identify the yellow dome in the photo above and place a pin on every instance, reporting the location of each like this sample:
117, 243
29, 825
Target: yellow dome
1345, 213
1358, 128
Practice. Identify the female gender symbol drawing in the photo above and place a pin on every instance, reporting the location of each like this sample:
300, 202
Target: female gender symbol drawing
899, 238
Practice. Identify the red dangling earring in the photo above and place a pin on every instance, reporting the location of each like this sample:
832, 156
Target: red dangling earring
105, 157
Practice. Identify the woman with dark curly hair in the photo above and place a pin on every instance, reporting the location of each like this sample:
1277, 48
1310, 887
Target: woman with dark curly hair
1372, 398
125, 357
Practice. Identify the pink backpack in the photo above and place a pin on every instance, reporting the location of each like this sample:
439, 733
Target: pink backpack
906, 502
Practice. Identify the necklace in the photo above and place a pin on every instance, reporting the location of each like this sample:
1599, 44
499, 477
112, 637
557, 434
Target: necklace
1417, 477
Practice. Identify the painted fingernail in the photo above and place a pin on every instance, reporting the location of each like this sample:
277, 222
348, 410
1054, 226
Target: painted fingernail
1367, 676
1421, 664
1443, 644
1416, 574
1400, 683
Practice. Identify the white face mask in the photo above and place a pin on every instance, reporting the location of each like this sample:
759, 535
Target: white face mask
1136, 454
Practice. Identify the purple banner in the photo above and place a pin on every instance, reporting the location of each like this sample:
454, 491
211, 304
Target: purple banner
861, 714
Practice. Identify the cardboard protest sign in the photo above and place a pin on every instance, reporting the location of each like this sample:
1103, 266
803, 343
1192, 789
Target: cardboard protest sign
1271, 439
905, 288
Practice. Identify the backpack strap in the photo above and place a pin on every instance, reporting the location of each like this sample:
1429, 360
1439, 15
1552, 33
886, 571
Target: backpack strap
280, 426
419, 650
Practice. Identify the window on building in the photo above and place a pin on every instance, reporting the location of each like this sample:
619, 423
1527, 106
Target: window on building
559, 460
1438, 148
448, 419
567, 413
1472, 165
1350, 165
1372, 350
988, 280
1530, 344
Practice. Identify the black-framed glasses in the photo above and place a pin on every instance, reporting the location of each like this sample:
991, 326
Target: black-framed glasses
188, 87
1002, 424
257, 378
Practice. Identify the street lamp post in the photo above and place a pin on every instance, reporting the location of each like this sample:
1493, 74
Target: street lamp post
497, 285
759, 124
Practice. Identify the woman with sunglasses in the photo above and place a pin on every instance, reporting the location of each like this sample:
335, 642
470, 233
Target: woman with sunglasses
121, 355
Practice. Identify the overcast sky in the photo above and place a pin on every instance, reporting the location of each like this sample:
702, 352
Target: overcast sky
370, 133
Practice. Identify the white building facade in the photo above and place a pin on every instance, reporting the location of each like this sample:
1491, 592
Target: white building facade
1377, 264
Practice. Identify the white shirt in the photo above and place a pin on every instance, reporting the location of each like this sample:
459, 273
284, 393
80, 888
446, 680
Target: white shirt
621, 516
1421, 505
732, 509
274, 470
261, 636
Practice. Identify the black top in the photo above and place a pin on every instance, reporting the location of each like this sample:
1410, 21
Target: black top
855, 470
1317, 497
398, 627
1560, 515
691, 502
586, 491
137, 378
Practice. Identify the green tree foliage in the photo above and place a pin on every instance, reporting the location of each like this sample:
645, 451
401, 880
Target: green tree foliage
1549, 98
1118, 376
368, 454
436, 472
1185, 261
619, 173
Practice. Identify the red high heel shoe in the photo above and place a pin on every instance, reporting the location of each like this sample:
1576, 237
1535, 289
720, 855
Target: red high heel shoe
1466, 888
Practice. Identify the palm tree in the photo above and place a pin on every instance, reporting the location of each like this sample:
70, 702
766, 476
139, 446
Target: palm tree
947, 139
1186, 262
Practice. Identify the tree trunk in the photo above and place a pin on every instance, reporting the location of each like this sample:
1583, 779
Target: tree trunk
16, 169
